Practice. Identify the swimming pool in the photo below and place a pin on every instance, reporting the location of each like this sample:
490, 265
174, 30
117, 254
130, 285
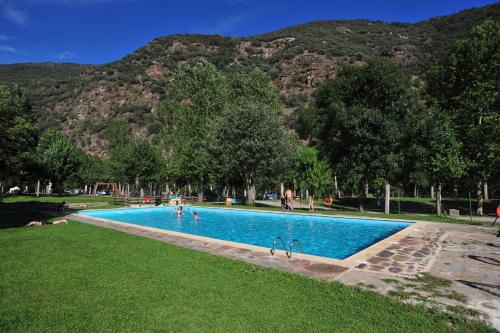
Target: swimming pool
324, 236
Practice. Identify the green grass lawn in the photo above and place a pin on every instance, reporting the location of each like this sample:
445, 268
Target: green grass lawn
56, 199
79, 277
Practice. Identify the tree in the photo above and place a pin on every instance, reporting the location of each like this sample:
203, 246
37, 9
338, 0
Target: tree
445, 161
359, 121
249, 144
58, 157
199, 93
312, 174
94, 169
435, 159
17, 132
466, 87
145, 165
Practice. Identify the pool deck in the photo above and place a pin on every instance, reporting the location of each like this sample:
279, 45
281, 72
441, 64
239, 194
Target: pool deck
465, 254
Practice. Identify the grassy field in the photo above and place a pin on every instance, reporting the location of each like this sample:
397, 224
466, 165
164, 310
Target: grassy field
79, 277
56, 199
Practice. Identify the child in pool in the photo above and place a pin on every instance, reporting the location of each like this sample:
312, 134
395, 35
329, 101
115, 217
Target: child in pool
196, 216
179, 211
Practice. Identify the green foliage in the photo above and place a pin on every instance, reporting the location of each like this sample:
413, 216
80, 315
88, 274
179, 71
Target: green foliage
312, 173
358, 125
466, 87
17, 132
249, 143
58, 157
199, 92
118, 136
93, 169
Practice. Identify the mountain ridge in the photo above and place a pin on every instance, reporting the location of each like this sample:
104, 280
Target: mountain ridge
83, 99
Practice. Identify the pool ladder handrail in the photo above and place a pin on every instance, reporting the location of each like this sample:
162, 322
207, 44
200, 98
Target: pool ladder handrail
274, 245
289, 252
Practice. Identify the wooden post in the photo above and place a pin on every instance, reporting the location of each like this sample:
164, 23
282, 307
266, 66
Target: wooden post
387, 208
438, 201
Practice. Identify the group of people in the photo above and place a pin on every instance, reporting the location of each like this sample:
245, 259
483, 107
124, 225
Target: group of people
287, 200
195, 214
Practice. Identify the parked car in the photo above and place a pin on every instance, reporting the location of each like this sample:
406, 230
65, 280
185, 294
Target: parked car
271, 196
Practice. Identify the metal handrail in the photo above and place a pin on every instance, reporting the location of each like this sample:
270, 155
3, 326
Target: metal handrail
295, 241
274, 245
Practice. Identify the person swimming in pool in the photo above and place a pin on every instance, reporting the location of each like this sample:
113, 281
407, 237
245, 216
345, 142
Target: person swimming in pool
196, 216
179, 211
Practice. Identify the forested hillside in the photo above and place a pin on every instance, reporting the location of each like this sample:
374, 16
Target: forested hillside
82, 100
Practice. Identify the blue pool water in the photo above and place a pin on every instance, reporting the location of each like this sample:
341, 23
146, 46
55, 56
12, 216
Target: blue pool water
330, 237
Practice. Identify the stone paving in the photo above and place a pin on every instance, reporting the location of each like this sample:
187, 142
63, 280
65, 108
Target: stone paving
411, 255
467, 255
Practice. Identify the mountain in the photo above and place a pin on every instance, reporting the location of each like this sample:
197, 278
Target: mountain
83, 99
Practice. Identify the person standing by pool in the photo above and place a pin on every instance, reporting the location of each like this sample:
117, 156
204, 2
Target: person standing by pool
289, 198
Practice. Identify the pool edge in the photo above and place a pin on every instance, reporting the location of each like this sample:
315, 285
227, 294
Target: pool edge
347, 262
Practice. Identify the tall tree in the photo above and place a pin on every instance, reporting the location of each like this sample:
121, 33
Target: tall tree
17, 132
58, 157
359, 123
312, 174
199, 93
466, 86
249, 144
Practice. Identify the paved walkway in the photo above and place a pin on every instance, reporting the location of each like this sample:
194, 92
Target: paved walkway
466, 259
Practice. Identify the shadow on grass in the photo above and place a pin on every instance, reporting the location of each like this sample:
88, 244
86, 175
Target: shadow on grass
17, 214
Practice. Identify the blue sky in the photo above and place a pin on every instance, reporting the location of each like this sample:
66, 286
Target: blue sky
99, 31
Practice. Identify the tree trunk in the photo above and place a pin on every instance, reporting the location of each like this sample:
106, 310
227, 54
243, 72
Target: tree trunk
49, 189
366, 189
486, 196
336, 194
136, 184
38, 188
415, 191
432, 192
250, 189
438, 201
479, 199
189, 189
282, 190
311, 202
387, 208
